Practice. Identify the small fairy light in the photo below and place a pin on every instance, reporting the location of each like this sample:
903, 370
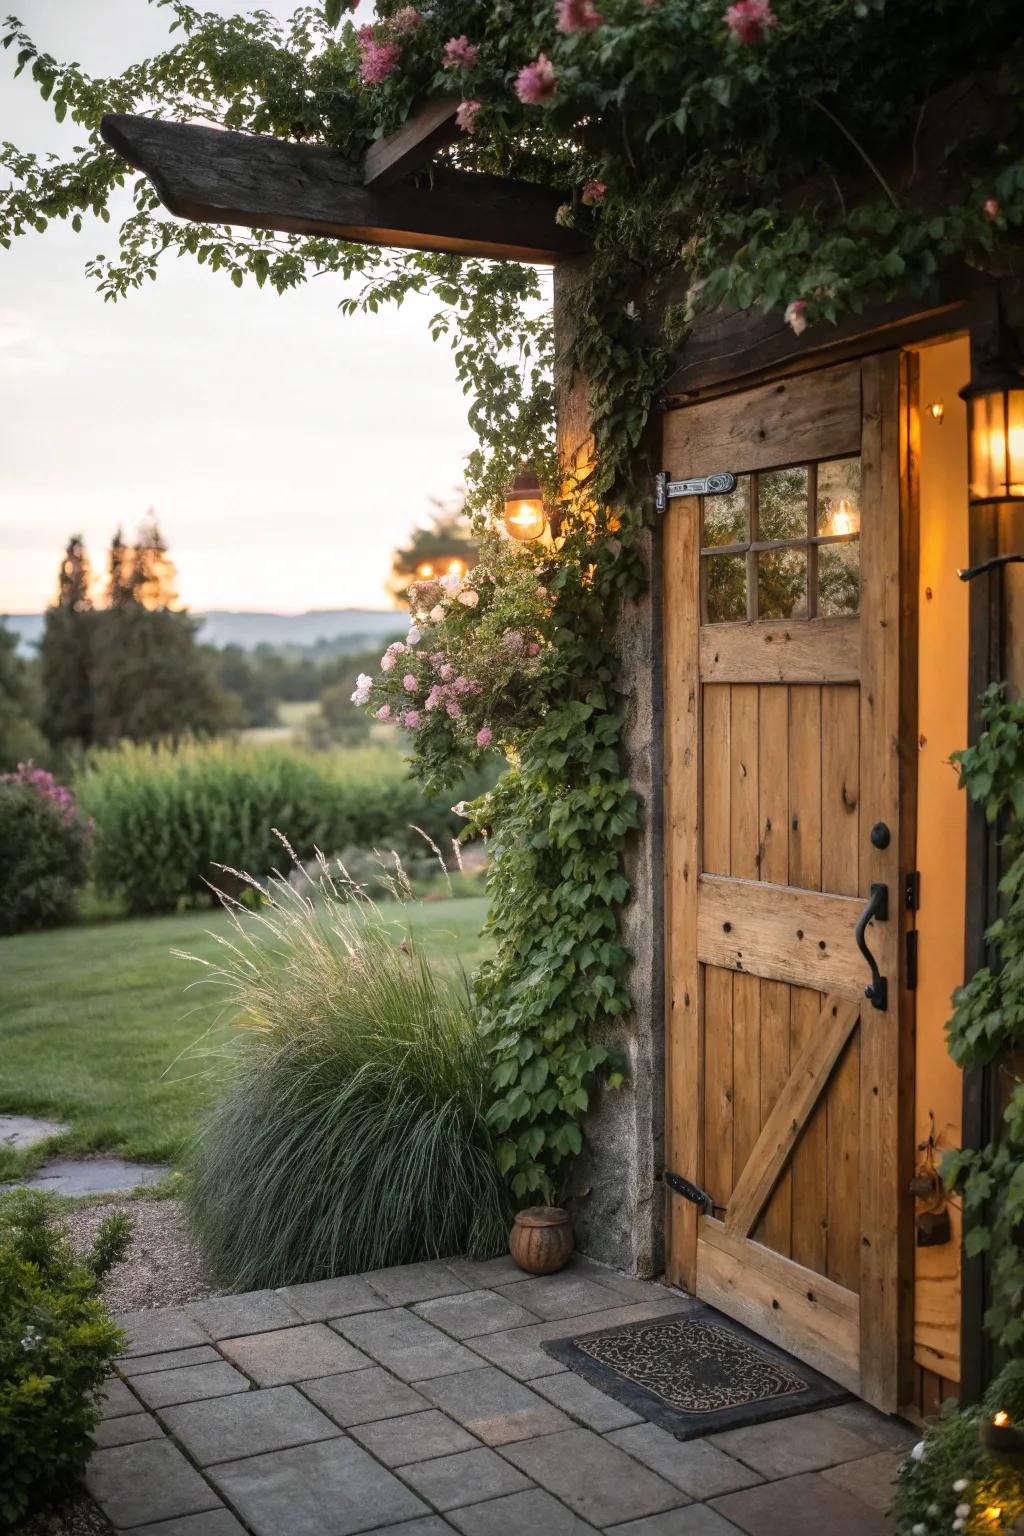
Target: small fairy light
1000, 1418
936, 411
425, 571
456, 568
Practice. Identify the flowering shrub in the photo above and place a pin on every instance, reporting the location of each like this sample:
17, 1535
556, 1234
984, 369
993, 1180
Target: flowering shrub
56, 1348
43, 783
467, 675
45, 850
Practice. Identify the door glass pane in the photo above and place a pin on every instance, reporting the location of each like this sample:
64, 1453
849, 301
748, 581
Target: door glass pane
782, 584
782, 504
725, 517
726, 577
838, 578
839, 496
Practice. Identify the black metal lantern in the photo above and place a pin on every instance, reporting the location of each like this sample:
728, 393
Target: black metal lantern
995, 437
525, 516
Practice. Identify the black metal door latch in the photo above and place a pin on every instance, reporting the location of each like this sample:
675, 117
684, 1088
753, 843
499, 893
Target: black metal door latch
877, 993
692, 1192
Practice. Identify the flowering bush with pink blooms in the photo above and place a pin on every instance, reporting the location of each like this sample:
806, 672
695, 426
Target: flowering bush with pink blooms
44, 850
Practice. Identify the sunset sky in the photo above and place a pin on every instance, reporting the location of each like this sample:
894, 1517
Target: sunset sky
284, 448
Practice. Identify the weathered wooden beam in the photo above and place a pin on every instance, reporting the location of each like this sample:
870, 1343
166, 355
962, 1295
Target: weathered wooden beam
414, 144
307, 189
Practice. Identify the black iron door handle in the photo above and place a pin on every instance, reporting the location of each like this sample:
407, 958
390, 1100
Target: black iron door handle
877, 993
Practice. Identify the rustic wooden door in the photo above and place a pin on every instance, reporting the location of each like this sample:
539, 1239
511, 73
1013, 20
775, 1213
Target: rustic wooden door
783, 791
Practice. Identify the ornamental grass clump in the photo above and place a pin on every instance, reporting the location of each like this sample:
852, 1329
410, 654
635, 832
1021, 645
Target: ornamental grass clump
351, 1134
56, 1348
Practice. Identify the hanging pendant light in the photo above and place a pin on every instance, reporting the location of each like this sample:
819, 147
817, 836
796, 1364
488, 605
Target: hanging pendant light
525, 517
995, 437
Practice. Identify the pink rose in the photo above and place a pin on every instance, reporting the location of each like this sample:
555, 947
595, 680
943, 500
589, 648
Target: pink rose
542, 591
750, 20
796, 317
460, 53
465, 115
413, 637
412, 720
593, 193
992, 209
484, 737
447, 672
533, 649
384, 713
377, 60
453, 708
469, 598
409, 683
578, 16
387, 662
537, 82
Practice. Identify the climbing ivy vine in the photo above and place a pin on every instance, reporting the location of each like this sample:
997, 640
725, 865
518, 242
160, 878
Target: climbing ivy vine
795, 159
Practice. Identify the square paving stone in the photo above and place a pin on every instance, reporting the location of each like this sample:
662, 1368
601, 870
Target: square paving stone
115, 1399
232, 1317
518, 1351
363, 1397
568, 1294
481, 1272
696, 1467
628, 1286
801, 1506
493, 1407
169, 1360
403, 1284
786, 1447
468, 1478
322, 1299
195, 1382
293, 1354
871, 1479
694, 1520
413, 1437
431, 1525
166, 1328
405, 1344
151, 1480
331, 1489
597, 1480
885, 1433
474, 1312
224, 1428
584, 1402
216, 1522
520, 1514
126, 1431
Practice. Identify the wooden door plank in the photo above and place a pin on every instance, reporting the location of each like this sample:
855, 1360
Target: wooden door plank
792, 1306
805, 788
809, 1164
774, 1229
716, 782
780, 932
719, 1083
813, 416
413, 145
782, 1129
882, 1147
684, 981
781, 651
744, 809
746, 1026
773, 785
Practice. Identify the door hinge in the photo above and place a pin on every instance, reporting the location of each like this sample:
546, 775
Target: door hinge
912, 891
692, 1192
911, 971
665, 490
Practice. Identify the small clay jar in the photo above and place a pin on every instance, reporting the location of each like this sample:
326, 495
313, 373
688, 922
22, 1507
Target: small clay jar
541, 1241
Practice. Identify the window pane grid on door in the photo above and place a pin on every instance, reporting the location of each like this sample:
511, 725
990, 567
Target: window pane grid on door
783, 544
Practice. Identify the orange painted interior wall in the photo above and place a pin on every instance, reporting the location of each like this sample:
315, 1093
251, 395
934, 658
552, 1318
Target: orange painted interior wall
941, 820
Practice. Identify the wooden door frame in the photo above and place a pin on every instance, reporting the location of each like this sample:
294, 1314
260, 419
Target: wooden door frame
886, 1372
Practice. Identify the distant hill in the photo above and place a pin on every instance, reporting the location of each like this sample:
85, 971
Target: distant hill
341, 628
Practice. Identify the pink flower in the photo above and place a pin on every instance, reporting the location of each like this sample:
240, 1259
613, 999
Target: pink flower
513, 639
537, 82
437, 613
796, 317
469, 598
462, 685
409, 683
593, 193
396, 648
412, 720
484, 737
992, 209
406, 20
384, 713
465, 115
578, 16
542, 591
453, 708
433, 698
447, 672
750, 20
413, 637
377, 60
460, 53
387, 662
533, 649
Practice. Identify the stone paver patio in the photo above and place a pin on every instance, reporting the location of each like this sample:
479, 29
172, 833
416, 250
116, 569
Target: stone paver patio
418, 1402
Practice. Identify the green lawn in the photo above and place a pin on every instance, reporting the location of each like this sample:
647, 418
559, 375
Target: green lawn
94, 1020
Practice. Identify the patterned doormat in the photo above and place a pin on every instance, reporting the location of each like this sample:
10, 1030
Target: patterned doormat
696, 1374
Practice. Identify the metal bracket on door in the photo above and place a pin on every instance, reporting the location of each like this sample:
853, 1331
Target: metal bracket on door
692, 1192
877, 993
666, 490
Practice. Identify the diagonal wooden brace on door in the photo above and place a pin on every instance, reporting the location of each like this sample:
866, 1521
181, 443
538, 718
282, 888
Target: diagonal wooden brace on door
793, 1108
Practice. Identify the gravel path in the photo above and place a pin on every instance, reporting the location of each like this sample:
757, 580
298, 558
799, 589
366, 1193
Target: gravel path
162, 1267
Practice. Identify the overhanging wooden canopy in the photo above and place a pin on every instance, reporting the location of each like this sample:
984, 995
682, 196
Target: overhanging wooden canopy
220, 177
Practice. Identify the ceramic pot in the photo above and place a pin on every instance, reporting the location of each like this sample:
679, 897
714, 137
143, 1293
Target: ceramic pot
541, 1241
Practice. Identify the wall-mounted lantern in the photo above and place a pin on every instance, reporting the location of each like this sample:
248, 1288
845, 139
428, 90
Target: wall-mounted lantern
525, 517
995, 437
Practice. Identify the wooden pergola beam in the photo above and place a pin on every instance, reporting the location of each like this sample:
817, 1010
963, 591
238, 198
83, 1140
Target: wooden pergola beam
413, 145
219, 177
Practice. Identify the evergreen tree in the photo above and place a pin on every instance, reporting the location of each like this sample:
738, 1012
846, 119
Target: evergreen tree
20, 738
65, 652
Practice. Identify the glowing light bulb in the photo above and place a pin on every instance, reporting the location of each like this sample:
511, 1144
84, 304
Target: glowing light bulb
936, 410
425, 571
842, 518
1001, 1419
456, 568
